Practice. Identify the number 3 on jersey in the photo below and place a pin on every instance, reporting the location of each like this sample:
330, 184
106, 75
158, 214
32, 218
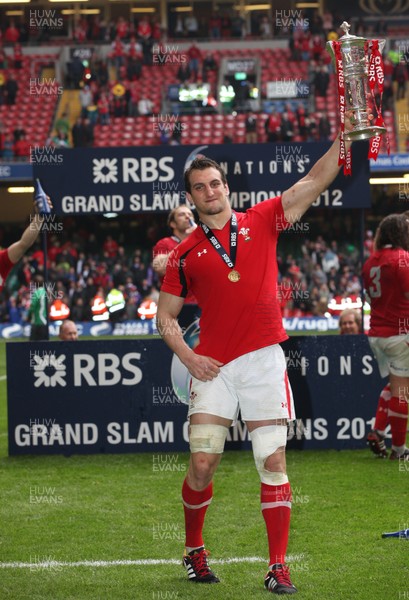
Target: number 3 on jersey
375, 287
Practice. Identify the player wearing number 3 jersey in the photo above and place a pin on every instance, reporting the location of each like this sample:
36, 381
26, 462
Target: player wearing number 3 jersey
386, 281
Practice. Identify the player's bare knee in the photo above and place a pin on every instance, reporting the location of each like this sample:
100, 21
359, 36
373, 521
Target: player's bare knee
202, 464
201, 469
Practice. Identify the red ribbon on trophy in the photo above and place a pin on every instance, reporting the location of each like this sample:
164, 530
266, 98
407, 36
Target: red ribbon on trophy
359, 70
344, 157
376, 78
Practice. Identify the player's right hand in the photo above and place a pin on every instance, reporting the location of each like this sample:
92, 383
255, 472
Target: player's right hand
204, 368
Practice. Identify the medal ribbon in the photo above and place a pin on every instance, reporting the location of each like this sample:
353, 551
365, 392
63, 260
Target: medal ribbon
344, 157
376, 77
229, 260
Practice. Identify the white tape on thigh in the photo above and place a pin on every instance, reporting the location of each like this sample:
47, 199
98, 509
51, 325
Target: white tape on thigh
266, 441
207, 438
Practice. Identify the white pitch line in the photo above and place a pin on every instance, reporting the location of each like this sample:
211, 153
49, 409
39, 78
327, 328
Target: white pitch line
3, 377
52, 564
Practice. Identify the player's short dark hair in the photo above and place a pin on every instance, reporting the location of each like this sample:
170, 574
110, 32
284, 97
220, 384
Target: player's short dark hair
200, 164
393, 231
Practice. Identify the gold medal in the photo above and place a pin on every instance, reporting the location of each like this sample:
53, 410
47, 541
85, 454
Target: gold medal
234, 275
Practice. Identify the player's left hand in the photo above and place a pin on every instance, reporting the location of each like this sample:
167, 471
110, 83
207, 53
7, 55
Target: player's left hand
50, 204
191, 228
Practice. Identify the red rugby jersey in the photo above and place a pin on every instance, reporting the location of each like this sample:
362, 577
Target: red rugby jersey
165, 246
5, 267
239, 317
386, 280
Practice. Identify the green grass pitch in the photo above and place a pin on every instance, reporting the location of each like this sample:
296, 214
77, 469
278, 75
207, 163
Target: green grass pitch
56, 512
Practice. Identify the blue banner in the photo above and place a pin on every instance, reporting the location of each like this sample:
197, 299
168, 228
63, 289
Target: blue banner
16, 171
392, 162
128, 396
149, 179
148, 327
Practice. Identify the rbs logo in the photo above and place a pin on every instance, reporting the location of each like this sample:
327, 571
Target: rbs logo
106, 369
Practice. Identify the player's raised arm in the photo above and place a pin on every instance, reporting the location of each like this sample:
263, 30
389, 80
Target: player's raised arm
298, 198
17, 250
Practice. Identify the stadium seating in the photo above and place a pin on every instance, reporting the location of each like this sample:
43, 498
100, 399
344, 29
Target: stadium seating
214, 129
34, 108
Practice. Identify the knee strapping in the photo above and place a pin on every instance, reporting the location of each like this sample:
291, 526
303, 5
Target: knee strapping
266, 441
208, 438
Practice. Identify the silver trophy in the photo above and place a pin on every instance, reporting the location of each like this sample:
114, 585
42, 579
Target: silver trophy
355, 66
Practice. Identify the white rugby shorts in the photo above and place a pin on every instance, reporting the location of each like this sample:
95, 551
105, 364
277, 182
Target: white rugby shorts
392, 354
255, 383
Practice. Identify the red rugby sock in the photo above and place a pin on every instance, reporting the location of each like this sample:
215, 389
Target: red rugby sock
398, 418
276, 508
195, 506
381, 419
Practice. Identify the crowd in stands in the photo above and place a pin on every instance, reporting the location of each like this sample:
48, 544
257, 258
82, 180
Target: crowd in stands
133, 44
225, 24
325, 271
283, 127
102, 99
83, 264
86, 262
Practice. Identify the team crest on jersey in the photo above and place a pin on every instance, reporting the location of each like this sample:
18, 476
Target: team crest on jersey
245, 231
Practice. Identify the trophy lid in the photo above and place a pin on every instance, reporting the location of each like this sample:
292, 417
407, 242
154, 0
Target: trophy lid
347, 37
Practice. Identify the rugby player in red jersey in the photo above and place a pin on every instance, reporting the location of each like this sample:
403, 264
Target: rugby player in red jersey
182, 223
386, 280
229, 263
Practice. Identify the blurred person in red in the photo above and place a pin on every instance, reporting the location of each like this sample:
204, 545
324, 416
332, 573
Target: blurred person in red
18, 56
80, 31
195, 56
110, 247
21, 147
181, 222
12, 34
122, 28
144, 34
272, 126
386, 281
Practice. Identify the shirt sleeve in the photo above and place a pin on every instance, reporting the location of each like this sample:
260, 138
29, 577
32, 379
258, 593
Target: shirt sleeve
5, 265
160, 248
175, 281
272, 211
